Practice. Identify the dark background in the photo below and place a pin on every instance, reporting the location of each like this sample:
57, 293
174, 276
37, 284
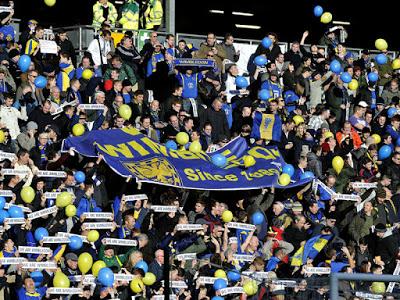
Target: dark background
369, 20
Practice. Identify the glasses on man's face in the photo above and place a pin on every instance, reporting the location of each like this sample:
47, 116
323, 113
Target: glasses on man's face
210, 55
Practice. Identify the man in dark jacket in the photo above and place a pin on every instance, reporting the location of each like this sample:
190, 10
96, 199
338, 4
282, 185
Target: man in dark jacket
66, 45
157, 265
216, 116
297, 232
230, 50
42, 116
393, 171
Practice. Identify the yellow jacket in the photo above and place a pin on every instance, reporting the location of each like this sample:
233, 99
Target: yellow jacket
130, 16
154, 14
98, 14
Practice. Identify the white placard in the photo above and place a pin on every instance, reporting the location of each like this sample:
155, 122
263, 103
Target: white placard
14, 172
186, 256
135, 197
24, 209
231, 290
6, 193
285, 283
34, 250
91, 106
233, 240
5, 9
39, 265
120, 242
100, 225
188, 227
55, 240
176, 284
163, 208
53, 174
123, 277
391, 284
60, 109
14, 221
244, 226
98, 215
368, 295
51, 195
317, 270
9, 156
12, 260
364, 185
42, 212
243, 257
347, 197
360, 206
68, 235
47, 46
208, 280
65, 291
162, 297
325, 187
87, 279
257, 275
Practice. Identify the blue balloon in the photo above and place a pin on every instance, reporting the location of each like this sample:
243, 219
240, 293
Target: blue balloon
37, 277
335, 66
307, 174
15, 212
2, 202
24, 62
171, 145
373, 77
217, 298
75, 242
264, 95
266, 42
233, 275
318, 11
241, 82
3, 215
142, 265
260, 60
218, 160
257, 218
220, 284
384, 152
80, 177
345, 77
40, 233
40, 82
391, 112
106, 277
397, 143
288, 169
381, 59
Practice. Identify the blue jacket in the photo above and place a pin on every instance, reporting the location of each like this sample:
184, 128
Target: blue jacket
87, 205
393, 133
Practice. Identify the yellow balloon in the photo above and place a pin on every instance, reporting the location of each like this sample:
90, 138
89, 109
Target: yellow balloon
78, 129
182, 138
195, 147
298, 119
326, 17
284, 179
125, 111
64, 199
93, 236
87, 74
149, 278
137, 285
2, 136
249, 161
70, 210
85, 262
61, 280
378, 287
27, 194
381, 44
395, 65
227, 216
220, 274
353, 85
97, 266
337, 164
250, 287
50, 2
377, 138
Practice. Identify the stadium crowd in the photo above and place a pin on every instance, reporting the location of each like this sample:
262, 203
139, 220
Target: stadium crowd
318, 113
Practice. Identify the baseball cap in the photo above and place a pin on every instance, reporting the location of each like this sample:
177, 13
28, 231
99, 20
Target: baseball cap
363, 104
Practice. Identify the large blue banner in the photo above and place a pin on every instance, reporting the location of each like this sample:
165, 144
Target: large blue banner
130, 153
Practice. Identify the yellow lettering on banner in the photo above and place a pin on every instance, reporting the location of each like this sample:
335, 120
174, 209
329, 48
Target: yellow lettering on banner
157, 148
191, 175
187, 155
200, 175
219, 177
114, 150
231, 177
259, 152
139, 148
131, 131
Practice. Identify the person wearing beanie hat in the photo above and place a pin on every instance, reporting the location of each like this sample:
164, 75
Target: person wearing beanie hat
27, 140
